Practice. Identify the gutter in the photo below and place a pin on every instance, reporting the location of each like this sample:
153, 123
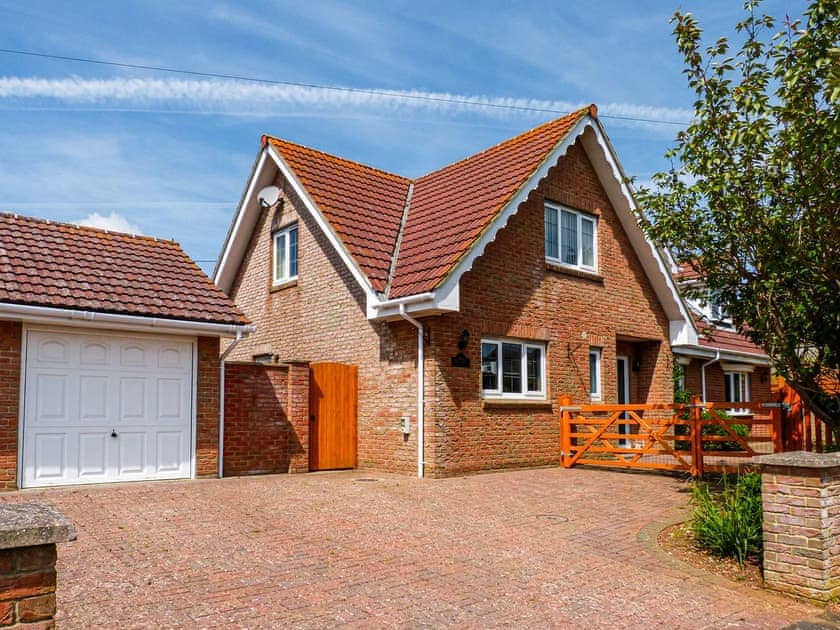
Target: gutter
703, 372
420, 388
228, 350
52, 315
411, 299
730, 355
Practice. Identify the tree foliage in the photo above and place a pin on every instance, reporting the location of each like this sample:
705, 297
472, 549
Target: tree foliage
751, 201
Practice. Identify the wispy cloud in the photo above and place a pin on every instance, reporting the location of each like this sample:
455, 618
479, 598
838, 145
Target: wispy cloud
241, 98
114, 222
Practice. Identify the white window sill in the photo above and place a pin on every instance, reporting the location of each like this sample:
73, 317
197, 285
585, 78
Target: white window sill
283, 284
577, 272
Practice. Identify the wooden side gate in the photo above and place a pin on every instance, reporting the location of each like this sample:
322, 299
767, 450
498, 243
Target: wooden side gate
332, 419
695, 438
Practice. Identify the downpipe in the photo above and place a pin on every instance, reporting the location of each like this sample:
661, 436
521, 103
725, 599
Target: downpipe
420, 390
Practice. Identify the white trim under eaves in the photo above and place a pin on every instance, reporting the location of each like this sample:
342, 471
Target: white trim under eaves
114, 321
611, 174
239, 234
326, 228
705, 352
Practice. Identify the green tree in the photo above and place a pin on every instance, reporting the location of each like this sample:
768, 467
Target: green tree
751, 201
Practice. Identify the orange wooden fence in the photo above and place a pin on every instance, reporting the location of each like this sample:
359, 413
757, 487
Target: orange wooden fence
802, 428
696, 438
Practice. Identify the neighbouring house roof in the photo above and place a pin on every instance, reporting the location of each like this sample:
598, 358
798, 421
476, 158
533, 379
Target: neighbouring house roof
408, 241
712, 335
59, 265
716, 337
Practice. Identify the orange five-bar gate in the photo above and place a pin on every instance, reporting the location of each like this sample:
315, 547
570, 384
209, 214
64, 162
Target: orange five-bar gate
697, 437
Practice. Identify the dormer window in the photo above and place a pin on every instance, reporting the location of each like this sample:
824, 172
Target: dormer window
571, 238
285, 254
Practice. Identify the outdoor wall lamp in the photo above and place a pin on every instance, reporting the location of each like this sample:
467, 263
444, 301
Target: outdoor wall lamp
461, 360
637, 364
463, 340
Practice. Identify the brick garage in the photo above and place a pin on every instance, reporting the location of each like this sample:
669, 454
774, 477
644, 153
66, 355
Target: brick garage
106, 376
511, 291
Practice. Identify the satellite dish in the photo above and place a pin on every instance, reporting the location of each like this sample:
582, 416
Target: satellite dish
268, 196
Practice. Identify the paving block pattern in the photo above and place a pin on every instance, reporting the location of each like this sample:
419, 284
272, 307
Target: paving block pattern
537, 548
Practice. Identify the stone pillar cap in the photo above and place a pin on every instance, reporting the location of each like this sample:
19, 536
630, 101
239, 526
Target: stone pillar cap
30, 524
800, 459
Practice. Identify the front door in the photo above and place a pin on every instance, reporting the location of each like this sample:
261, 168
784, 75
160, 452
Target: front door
332, 419
622, 369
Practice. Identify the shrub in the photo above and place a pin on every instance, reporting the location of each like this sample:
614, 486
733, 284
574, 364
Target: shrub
728, 523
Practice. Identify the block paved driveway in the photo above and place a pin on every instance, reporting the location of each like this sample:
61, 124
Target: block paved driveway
536, 548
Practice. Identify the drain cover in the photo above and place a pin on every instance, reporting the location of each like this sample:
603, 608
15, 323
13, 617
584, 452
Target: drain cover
553, 518
366, 479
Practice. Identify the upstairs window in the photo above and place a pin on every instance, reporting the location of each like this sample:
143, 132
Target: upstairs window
286, 254
512, 369
571, 238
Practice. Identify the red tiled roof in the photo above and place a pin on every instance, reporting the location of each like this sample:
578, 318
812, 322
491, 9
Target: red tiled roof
449, 208
43, 263
723, 339
364, 205
452, 207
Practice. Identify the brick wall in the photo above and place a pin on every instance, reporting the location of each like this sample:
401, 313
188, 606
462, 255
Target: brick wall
321, 318
27, 586
266, 418
509, 292
800, 495
207, 420
10, 353
715, 387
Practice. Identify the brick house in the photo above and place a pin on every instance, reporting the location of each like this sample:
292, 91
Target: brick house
109, 357
722, 365
510, 277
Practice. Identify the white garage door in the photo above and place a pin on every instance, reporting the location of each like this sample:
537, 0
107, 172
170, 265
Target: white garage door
106, 407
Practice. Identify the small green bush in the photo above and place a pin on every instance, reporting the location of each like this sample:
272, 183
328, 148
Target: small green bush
728, 523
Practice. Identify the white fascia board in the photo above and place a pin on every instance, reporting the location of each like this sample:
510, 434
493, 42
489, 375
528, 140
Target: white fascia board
263, 174
681, 333
605, 162
705, 352
114, 321
326, 228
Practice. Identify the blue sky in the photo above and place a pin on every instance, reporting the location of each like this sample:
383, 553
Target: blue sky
168, 155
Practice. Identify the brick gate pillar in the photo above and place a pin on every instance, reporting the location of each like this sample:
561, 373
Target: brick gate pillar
298, 413
28, 536
800, 495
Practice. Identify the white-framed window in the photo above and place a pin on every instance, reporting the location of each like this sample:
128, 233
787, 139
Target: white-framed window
595, 373
571, 237
285, 254
512, 369
737, 389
